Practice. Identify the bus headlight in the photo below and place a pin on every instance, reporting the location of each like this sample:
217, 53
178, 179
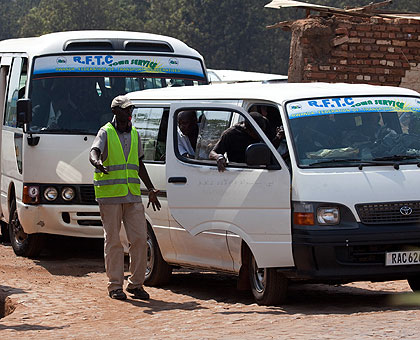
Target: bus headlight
50, 194
329, 216
67, 193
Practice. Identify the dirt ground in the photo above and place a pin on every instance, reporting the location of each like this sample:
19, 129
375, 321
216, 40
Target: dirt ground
62, 295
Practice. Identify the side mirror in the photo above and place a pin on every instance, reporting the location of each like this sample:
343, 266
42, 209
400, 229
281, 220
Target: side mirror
258, 154
24, 111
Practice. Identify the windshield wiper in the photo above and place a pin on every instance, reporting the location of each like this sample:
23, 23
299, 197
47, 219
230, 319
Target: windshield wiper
359, 163
336, 160
397, 158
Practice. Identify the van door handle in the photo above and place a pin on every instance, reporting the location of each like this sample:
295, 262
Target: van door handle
177, 180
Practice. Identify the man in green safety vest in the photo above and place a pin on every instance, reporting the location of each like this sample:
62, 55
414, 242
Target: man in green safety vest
117, 154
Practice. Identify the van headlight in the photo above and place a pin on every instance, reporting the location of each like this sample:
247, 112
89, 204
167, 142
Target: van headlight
50, 194
67, 193
328, 216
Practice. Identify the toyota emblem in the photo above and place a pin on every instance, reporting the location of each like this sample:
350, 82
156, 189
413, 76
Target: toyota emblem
406, 210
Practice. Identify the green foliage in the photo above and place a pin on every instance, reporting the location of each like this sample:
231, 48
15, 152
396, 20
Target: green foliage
11, 13
230, 34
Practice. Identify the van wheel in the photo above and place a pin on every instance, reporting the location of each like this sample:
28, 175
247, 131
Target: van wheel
23, 244
158, 272
414, 283
268, 286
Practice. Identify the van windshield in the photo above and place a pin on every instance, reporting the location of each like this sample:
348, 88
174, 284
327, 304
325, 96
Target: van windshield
332, 132
73, 94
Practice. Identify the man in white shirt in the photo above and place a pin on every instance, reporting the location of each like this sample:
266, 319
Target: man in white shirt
187, 133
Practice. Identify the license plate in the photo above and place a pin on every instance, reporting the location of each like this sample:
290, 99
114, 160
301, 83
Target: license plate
402, 258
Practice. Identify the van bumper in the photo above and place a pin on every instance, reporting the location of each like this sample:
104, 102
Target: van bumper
356, 254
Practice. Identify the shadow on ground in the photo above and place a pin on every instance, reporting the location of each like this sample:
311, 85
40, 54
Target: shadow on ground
308, 299
153, 306
72, 256
28, 327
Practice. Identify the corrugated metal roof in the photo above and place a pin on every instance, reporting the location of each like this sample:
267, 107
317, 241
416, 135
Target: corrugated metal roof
365, 11
292, 3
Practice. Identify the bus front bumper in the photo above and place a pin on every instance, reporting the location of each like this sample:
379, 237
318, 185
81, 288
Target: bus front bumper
67, 220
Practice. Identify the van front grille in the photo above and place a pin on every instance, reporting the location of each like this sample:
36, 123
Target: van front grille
389, 213
370, 254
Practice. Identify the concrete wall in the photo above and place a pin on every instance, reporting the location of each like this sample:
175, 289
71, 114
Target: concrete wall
374, 50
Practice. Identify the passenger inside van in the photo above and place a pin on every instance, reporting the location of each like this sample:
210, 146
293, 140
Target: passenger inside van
235, 140
275, 129
187, 133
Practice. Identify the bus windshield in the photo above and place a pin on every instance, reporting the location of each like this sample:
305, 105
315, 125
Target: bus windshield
332, 132
73, 94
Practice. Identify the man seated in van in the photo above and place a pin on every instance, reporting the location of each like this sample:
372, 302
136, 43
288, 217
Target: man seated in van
235, 140
187, 133
275, 129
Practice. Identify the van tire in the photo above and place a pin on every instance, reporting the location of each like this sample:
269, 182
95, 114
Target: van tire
268, 286
158, 272
23, 244
414, 283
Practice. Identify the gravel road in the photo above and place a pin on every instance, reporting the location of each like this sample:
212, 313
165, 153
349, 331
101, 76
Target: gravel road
62, 295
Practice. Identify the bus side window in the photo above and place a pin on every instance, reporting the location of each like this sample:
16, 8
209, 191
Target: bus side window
4, 75
16, 89
152, 123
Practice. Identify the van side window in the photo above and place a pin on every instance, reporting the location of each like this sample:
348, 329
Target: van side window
152, 124
16, 89
198, 131
215, 135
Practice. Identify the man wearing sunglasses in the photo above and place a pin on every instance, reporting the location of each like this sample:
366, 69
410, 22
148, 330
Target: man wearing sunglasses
117, 156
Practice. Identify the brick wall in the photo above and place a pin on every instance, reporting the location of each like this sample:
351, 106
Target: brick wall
375, 51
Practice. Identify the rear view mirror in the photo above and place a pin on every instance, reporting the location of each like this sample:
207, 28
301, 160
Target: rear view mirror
24, 111
258, 154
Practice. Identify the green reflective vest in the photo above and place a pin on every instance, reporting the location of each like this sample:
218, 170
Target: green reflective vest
123, 174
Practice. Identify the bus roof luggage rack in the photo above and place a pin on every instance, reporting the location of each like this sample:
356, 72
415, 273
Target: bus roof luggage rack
151, 46
88, 45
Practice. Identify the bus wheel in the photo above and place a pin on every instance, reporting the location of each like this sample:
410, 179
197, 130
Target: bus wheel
4, 231
268, 286
158, 272
23, 244
414, 283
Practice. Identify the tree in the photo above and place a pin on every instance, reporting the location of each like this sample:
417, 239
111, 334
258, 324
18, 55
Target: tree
65, 15
230, 34
10, 16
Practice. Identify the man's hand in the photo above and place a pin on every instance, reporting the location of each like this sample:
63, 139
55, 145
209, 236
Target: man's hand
280, 132
153, 199
221, 163
95, 160
98, 165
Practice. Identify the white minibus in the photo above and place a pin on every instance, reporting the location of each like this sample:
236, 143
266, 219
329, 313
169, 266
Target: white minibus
55, 94
336, 201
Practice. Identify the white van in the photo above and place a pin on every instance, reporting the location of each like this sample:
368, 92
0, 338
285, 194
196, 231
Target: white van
342, 205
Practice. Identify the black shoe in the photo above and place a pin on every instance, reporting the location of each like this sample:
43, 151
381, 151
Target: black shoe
117, 294
139, 293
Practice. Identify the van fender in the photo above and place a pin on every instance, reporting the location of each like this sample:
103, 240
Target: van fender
266, 251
